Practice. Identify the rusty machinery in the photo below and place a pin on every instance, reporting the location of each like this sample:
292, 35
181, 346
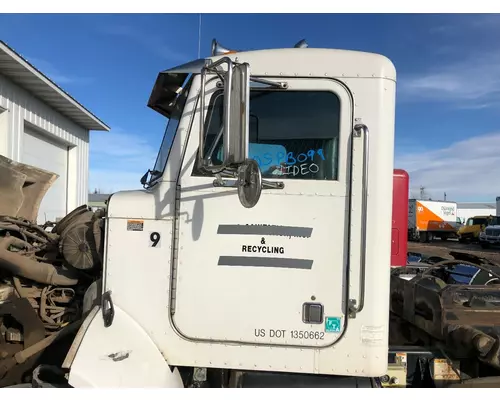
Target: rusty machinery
445, 322
48, 279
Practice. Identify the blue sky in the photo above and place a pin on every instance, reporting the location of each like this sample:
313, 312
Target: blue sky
448, 101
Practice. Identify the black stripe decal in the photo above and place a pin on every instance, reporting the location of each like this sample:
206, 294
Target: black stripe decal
272, 262
262, 230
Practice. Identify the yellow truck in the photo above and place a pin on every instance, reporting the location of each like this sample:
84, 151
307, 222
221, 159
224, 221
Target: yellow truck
473, 227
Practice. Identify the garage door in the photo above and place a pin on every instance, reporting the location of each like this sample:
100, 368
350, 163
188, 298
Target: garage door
44, 153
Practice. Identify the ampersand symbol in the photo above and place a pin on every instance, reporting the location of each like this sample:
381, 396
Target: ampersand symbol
262, 241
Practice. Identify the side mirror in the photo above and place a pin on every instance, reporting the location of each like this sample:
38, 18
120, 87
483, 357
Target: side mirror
145, 178
235, 131
235, 121
237, 109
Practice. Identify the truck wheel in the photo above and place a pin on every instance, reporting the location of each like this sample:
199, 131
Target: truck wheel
485, 245
444, 238
466, 239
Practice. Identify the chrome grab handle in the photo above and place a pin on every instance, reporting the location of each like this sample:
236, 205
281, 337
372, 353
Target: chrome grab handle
361, 129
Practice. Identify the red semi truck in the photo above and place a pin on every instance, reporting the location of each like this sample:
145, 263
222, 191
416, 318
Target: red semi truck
400, 198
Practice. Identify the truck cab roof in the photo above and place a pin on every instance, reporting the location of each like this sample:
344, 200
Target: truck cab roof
291, 62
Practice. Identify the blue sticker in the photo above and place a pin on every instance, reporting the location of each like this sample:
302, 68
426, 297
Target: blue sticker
332, 324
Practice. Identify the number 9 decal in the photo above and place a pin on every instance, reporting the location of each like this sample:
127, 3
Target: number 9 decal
154, 238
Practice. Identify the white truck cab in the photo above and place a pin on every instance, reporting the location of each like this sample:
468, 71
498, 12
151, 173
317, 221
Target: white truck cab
262, 239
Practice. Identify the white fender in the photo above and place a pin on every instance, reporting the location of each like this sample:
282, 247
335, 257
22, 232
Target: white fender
120, 356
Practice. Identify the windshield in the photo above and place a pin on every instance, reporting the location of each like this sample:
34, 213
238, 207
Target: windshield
494, 221
478, 221
170, 131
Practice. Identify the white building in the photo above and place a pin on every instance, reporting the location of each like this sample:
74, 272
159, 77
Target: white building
42, 125
468, 210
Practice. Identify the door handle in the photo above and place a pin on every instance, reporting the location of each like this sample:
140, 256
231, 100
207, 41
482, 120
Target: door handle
354, 307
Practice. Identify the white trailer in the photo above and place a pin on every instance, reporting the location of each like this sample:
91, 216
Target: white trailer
469, 210
428, 219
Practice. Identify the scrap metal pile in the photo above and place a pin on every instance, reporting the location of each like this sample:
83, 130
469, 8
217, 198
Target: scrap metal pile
452, 305
48, 279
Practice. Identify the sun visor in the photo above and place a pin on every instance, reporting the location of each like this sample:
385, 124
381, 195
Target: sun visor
169, 84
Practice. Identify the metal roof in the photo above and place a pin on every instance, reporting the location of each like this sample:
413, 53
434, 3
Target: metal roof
477, 206
98, 197
24, 74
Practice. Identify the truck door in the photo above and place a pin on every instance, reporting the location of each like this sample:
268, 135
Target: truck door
275, 273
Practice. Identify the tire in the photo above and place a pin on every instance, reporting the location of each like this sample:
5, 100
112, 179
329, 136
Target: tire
485, 245
423, 237
466, 239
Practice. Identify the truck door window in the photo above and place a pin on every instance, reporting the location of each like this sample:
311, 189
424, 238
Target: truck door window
293, 134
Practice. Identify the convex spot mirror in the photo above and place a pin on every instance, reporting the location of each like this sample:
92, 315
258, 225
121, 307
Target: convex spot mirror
249, 183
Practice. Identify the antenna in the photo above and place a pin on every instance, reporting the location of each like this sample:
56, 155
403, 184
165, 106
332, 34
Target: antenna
199, 36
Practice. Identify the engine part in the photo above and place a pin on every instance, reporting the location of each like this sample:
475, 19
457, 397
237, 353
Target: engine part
6, 293
41, 272
55, 306
78, 245
41, 234
80, 241
66, 220
16, 314
22, 232
29, 353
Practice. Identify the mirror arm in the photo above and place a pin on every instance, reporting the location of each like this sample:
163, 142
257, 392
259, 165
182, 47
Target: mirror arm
212, 67
219, 182
272, 185
279, 85
201, 146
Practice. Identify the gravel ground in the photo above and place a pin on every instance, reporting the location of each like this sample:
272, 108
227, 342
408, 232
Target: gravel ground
442, 249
